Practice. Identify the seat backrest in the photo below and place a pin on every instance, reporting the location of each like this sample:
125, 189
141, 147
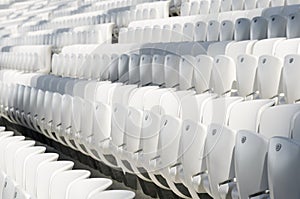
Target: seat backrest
21, 194
45, 174
87, 187
5, 142
56, 109
101, 122
177, 34
267, 84
185, 9
21, 159
263, 3
283, 168
250, 4
237, 4
149, 135
250, 163
195, 6
9, 189
145, 69
215, 6
31, 167
192, 149
202, 73
134, 69
223, 74
168, 141
286, 47
226, 30
10, 153
291, 26
246, 66
259, 28
242, 29
133, 128
290, 80
166, 33
188, 32
158, 77
266, 46
204, 7
246, 115
218, 110
280, 121
213, 29
277, 26
225, 5
171, 70
200, 31
61, 182
186, 70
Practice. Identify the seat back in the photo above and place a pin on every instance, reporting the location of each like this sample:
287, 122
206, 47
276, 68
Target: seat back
290, 81
245, 74
242, 29
60, 183
45, 174
283, 168
259, 28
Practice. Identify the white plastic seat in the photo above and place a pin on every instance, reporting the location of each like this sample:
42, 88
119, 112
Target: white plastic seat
256, 157
61, 182
200, 31
134, 69
21, 159
185, 9
277, 26
214, 6
204, 7
259, 28
225, 5
5, 142
171, 70
283, 167
21, 194
237, 4
114, 194
292, 31
266, 46
177, 33
250, 4
10, 153
31, 168
286, 47
145, 70
223, 74
188, 32
10, 189
245, 73
158, 70
289, 81
45, 174
263, 3
267, 84
166, 33
186, 70
242, 29
213, 29
226, 30
195, 6
85, 188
